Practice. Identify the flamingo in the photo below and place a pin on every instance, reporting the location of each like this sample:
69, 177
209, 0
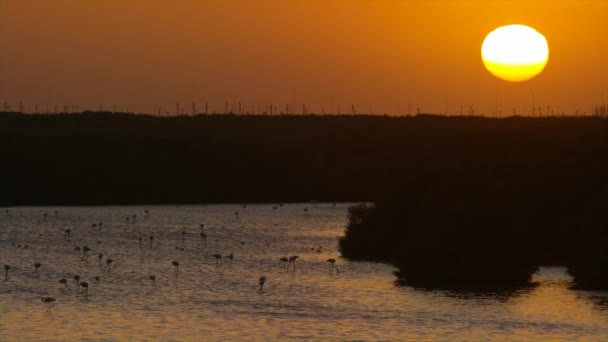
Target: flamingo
99, 257
332, 262
97, 280
109, 264
68, 233
153, 279
218, 259
6, 269
262, 281
37, 266
85, 252
85, 287
77, 279
176, 265
285, 261
65, 283
293, 258
49, 301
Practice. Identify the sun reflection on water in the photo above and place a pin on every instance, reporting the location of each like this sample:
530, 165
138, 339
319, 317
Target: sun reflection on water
205, 301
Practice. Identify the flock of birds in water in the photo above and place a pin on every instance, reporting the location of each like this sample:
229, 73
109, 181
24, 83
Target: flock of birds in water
288, 262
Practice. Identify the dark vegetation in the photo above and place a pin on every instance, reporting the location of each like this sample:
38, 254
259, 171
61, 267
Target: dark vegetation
458, 202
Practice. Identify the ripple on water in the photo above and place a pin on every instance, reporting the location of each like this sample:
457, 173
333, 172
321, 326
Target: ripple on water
206, 301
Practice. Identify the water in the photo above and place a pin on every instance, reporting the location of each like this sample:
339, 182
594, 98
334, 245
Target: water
204, 301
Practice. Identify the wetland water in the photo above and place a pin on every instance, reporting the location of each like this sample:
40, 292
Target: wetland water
207, 301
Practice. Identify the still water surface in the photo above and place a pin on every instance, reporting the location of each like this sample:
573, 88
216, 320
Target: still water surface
206, 301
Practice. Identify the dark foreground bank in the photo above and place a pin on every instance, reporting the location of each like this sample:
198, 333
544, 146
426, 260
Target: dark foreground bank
459, 195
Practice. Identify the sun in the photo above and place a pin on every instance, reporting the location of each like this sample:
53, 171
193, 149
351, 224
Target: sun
515, 53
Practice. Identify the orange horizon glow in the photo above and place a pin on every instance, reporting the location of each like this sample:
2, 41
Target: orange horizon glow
386, 56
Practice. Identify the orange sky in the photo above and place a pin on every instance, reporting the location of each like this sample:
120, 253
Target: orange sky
383, 56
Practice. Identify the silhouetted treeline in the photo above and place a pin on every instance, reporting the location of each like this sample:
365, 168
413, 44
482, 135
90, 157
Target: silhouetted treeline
483, 203
457, 195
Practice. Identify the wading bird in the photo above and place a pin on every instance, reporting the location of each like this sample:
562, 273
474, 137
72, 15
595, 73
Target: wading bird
65, 283
262, 281
292, 260
49, 301
37, 266
6, 269
109, 264
85, 252
153, 279
85, 287
77, 279
218, 259
176, 265
68, 233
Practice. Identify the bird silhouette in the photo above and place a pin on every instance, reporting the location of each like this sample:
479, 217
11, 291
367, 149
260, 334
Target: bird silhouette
65, 283
262, 281
6, 269
292, 261
85, 252
109, 264
176, 265
68, 233
284, 261
85, 287
37, 266
49, 301
153, 279
218, 259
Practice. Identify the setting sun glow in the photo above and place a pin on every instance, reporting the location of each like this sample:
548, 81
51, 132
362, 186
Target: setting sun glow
515, 53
